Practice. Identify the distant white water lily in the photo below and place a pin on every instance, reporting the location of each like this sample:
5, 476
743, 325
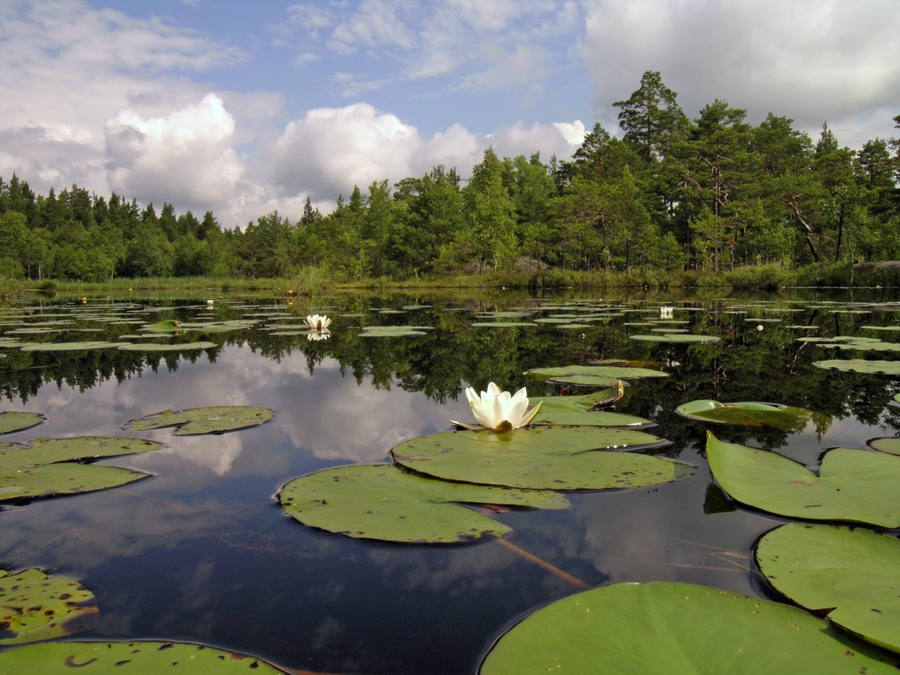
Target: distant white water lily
316, 322
498, 410
666, 312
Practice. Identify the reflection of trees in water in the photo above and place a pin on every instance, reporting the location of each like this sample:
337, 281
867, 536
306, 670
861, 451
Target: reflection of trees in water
748, 364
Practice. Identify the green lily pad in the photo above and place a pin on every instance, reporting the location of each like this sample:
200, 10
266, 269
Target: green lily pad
861, 366
210, 420
890, 445
852, 485
850, 575
385, 503
541, 458
608, 372
47, 466
566, 411
666, 628
68, 346
101, 658
160, 347
393, 331
34, 606
679, 338
165, 326
12, 420
747, 413
502, 324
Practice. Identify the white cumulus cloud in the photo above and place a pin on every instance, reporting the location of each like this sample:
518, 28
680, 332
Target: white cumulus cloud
808, 60
329, 150
186, 155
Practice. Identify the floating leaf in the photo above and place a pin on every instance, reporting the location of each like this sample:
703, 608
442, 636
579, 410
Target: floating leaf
850, 575
393, 331
34, 606
861, 366
210, 420
853, 485
45, 466
889, 445
748, 413
501, 324
68, 346
541, 458
165, 326
608, 372
666, 628
95, 658
382, 502
11, 420
679, 338
566, 411
155, 347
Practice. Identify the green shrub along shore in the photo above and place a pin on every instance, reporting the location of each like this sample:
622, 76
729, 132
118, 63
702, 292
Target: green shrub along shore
312, 283
673, 202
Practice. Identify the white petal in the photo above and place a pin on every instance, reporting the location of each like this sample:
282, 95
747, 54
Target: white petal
518, 406
530, 416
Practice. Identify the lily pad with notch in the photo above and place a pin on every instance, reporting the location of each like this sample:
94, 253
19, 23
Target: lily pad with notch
852, 576
94, 658
665, 628
209, 420
386, 503
47, 467
852, 485
542, 458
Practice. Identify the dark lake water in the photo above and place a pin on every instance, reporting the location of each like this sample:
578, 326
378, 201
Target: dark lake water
202, 551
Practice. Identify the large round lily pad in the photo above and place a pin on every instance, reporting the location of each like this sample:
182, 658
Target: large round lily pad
34, 606
541, 458
383, 502
852, 575
122, 658
210, 420
852, 485
47, 466
13, 420
676, 629
747, 413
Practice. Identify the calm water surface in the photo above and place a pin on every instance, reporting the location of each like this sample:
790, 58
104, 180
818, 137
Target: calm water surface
201, 551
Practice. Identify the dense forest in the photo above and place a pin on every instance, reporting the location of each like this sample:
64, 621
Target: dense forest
672, 193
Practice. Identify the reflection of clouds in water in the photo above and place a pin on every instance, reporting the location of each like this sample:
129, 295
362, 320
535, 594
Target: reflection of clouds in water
662, 534
324, 412
215, 453
61, 532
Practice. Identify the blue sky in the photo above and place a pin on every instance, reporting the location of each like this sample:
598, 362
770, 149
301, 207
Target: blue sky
245, 107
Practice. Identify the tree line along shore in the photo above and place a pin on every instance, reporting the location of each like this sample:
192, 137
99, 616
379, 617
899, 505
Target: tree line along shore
674, 201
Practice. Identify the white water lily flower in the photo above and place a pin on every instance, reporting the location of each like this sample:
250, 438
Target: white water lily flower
316, 322
318, 335
498, 410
